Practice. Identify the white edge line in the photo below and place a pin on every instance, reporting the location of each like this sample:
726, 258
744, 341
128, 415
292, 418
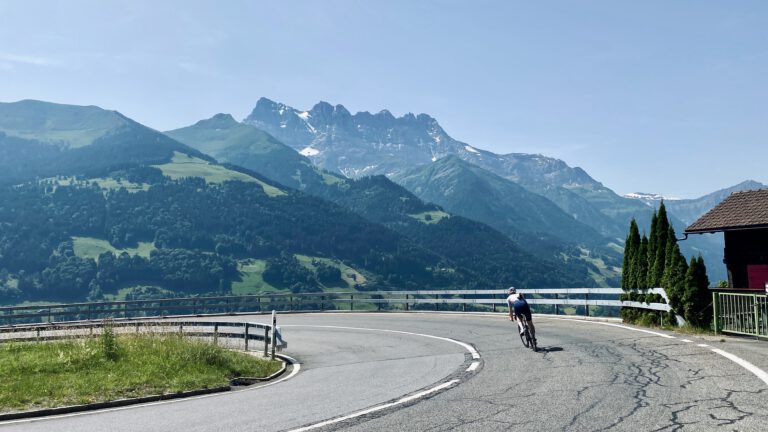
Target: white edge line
619, 326
686, 340
468, 347
736, 359
378, 408
743, 363
473, 366
296, 368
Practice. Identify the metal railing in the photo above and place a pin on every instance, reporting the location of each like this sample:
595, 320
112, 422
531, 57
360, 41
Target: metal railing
231, 334
582, 301
741, 313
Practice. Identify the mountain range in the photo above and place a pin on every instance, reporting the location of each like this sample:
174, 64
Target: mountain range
388, 202
99, 206
356, 145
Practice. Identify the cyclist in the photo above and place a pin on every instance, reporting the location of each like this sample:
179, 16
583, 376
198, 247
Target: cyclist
518, 308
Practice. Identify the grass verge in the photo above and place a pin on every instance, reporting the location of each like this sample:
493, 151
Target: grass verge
61, 373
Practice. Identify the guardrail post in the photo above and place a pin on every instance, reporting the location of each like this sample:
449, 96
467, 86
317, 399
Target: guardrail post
557, 306
586, 304
322, 303
274, 332
266, 341
290, 304
245, 337
351, 302
756, 308
493, 305
407, 306
216, 334
716, 312
49, 316
464, 303
437, 305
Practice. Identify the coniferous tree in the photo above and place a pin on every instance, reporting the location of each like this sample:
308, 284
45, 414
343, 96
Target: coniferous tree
656, 271
670, 264
631, 248
652, 240
641, 265
697, 297
676, 280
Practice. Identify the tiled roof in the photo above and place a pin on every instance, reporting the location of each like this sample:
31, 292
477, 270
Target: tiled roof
748, 209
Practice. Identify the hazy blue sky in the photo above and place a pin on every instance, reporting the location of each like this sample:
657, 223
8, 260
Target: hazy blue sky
655, 96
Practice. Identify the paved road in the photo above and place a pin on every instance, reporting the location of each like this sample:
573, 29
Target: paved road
588, 377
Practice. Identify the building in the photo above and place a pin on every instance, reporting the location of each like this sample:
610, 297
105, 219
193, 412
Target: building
743, 219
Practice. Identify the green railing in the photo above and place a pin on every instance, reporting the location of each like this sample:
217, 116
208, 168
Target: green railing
741, 313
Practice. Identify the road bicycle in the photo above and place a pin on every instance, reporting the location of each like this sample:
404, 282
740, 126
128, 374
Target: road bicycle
526, 337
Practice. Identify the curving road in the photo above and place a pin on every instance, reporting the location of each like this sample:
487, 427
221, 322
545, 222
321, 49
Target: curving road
588, 377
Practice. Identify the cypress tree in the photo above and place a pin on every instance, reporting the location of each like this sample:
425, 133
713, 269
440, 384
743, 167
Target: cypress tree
652, 239
660, 258
631, 248
676, 280
670, 261
697, 297
640, 267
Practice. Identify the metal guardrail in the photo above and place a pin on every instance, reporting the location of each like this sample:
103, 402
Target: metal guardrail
551, 300
241, 333
740, 313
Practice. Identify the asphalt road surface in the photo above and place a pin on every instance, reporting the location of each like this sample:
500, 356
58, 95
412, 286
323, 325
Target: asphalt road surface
382, 372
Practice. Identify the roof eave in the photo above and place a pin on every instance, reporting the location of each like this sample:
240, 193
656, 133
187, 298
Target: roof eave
722, 229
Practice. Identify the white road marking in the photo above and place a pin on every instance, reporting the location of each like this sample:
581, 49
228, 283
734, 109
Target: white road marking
734, 358
620, 326
296, 368
379, 407
743, 363
473, 366
468, 347
686, 340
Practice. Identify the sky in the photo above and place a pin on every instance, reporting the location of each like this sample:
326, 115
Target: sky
665, 97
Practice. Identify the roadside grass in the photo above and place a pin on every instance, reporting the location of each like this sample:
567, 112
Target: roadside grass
90, 247
51, 374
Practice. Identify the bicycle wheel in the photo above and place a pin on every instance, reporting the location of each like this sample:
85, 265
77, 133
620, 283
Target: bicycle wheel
524, 338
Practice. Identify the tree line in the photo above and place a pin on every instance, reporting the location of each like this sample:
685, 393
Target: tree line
655, 261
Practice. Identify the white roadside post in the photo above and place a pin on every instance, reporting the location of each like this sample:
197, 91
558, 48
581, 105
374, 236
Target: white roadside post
274, 332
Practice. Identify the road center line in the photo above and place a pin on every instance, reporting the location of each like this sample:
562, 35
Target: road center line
473, 352
379, 407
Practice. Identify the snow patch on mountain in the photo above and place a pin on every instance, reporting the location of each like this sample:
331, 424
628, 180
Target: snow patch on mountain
643, 196
471, 149
309, 151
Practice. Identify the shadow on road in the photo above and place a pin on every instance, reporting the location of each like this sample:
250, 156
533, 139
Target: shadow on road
550, 349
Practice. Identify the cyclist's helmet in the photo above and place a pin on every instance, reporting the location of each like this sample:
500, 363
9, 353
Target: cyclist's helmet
512, 290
